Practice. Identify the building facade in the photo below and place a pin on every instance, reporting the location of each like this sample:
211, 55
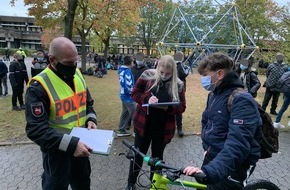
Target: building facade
18, 32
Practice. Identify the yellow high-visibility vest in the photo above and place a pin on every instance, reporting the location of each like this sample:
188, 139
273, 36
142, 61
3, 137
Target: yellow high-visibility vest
67, 108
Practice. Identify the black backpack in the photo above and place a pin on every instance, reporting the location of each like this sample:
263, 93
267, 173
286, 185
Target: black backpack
269, 141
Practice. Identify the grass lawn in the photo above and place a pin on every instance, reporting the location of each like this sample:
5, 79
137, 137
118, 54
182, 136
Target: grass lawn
105, 92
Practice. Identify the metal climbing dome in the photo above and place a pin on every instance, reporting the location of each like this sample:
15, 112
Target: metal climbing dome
199, 28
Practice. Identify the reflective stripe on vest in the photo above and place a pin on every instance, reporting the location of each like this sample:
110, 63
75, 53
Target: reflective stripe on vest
67, 108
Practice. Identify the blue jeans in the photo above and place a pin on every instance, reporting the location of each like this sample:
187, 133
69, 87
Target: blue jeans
284, 107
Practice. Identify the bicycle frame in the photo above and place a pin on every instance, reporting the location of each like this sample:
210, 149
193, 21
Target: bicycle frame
162, 182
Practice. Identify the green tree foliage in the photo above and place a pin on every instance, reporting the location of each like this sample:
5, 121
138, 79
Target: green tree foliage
155, 16
49, 14
266, 24
87, 14
264, 20
116, 17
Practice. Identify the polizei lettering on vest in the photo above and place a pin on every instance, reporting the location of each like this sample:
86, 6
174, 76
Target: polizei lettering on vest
70, 104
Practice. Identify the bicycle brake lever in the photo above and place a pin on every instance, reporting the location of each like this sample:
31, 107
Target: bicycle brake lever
173, 175
130, 155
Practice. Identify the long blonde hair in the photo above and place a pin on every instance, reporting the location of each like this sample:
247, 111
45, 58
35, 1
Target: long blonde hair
176, 84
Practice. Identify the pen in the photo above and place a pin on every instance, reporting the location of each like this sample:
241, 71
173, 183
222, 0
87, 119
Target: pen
148, 104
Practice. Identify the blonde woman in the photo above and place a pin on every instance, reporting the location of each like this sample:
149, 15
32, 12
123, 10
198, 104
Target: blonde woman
155, 125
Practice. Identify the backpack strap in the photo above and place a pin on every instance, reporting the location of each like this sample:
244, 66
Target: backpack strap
232, 96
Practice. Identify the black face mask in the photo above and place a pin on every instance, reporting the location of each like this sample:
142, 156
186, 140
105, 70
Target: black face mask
67, 71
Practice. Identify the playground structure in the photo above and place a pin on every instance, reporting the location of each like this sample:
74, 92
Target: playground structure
199, 29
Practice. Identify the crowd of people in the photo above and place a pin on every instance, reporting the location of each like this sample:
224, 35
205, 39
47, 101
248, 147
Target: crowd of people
153, 100
230, 139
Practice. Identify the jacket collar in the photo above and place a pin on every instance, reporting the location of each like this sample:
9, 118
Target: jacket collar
231, 80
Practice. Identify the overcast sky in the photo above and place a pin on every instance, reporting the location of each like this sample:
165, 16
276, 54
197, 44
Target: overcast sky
21, 10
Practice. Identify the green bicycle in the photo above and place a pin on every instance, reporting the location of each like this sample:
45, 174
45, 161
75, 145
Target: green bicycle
170, 175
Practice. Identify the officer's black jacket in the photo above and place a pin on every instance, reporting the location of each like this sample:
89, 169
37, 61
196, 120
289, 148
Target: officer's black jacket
17, 73
37, 127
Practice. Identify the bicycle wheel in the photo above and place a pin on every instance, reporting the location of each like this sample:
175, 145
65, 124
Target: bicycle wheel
261, 184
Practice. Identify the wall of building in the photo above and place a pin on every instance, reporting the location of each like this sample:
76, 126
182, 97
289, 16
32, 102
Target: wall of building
22, 32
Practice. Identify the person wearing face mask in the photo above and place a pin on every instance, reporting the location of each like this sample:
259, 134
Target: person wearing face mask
39, 63
248, 77
155, 125
57, 100
17, 76
229, 138
274, 72
140, 66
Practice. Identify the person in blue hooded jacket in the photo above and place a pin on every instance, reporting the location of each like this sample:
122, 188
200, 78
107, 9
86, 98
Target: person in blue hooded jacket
126, 80
229, 137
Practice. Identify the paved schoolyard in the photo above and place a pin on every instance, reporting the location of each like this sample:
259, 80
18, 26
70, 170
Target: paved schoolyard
20, 165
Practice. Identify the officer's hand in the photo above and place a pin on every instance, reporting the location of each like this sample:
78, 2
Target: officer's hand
82, 150
91, 125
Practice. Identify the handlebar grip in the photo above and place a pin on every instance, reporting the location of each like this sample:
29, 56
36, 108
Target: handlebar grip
200, 176
132, 147
127, 143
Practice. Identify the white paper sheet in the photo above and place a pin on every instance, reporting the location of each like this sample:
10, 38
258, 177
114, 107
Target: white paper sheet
97, 139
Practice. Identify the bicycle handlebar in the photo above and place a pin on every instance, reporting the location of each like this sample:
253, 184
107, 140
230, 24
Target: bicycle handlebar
159, 163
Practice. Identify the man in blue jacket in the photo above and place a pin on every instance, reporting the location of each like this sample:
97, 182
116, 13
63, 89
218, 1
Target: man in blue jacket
126, 80
229, 138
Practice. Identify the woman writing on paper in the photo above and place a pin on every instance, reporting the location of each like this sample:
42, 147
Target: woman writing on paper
155, 125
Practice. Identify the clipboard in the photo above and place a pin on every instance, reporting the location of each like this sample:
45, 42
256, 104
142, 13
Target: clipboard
161, 104
99, 140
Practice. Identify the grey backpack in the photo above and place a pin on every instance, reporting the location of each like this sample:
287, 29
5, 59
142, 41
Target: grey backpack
284, 83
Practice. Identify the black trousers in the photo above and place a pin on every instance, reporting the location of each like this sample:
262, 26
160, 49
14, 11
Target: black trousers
268, 95
153, 137
62, 170
179, 120
17, 94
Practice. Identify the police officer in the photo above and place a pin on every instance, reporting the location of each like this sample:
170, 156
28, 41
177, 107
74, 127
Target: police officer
58, 100
17, 76
22, 52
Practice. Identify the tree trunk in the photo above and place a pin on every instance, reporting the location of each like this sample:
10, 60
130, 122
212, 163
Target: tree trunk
69, 18
106, 50
84, 51
148, 48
